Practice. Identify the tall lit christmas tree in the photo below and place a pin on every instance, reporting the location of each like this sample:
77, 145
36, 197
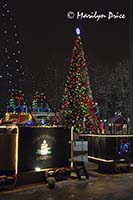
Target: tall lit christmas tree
12, 73
78, 107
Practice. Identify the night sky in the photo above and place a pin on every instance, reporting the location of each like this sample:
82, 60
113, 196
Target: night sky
46, 31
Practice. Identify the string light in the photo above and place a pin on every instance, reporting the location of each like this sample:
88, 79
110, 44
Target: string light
10, 60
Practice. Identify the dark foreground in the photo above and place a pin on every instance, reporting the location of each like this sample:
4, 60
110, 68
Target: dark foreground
98, 187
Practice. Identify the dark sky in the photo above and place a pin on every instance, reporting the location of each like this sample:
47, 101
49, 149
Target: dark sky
46, 31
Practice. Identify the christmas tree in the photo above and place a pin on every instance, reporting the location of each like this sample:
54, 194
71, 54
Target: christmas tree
40, 103
17, 103
78, 107
13, 76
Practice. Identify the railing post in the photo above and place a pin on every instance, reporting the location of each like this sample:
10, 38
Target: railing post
131, 66
72, 141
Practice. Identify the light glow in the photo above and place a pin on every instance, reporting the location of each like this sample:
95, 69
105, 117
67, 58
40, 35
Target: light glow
78, 31
16, 156
37, 169
99, 159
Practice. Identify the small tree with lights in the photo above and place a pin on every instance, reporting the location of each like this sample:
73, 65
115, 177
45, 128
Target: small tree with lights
40, 103
78, 107
17, 103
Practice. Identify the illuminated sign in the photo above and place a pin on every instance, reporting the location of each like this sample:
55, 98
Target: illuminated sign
44, 149
43, 145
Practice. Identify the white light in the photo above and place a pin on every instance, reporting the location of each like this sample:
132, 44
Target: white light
78, 31
37, 169
6, 50
107, 161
